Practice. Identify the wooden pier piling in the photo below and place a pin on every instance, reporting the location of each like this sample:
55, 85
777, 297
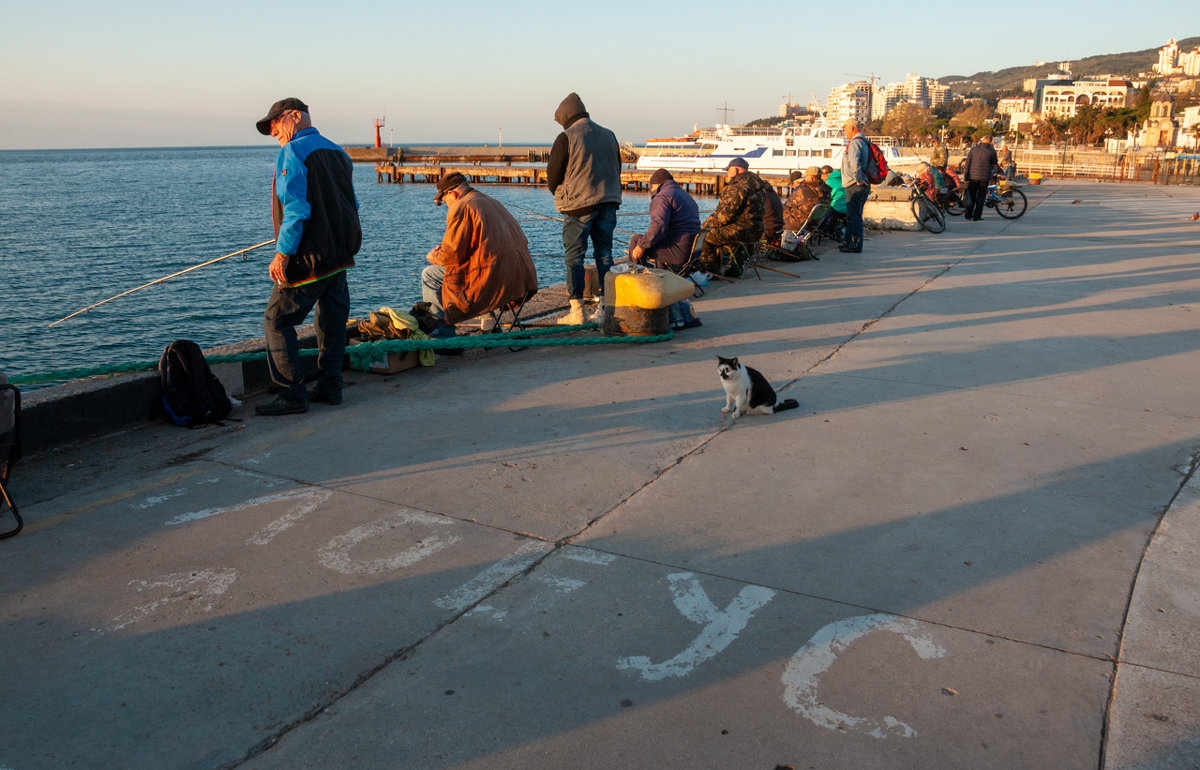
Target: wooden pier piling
695, 182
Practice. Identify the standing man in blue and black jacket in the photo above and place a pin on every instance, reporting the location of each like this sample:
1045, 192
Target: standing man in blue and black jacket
584, 175
317, 234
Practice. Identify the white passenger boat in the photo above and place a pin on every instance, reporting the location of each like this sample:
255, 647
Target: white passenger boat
770, 151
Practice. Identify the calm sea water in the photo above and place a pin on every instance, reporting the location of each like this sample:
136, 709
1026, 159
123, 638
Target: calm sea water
79, 226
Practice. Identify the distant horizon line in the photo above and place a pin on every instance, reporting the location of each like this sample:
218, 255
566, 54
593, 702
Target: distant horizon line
440, 143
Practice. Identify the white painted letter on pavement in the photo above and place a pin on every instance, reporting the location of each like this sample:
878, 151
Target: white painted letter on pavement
800, 679
336, 554
721, 627
178, 586
494, 576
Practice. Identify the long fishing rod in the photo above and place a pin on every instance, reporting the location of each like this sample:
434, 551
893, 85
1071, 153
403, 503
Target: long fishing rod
164, 278
560, 219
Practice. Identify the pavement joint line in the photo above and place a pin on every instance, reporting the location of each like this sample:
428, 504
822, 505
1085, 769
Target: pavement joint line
364, 496
869, 324
404, 653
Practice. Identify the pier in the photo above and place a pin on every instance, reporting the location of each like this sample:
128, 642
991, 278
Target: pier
371, 580
631, 179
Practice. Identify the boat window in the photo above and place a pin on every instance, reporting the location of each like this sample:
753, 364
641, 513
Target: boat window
791, 153
804, 153
829, 153
776, 153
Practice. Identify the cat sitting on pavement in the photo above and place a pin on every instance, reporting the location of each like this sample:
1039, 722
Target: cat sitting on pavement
746, 390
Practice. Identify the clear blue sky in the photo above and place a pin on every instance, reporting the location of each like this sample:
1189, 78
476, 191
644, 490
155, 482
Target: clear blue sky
140, 74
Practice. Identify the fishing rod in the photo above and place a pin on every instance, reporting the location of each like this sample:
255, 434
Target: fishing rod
164, 278
560, 219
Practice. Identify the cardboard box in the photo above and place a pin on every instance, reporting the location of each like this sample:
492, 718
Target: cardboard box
390, 363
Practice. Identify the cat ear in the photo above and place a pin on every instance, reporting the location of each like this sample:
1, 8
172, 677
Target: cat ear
733, 361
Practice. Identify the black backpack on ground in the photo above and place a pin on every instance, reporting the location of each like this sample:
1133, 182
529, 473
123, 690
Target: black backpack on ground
191, 394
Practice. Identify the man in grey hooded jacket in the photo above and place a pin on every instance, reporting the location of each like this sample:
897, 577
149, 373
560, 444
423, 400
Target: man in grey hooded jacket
584, 175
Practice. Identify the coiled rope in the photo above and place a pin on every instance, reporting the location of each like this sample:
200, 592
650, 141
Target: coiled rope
363, 354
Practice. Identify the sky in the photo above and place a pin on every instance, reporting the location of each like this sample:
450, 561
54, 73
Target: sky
160, 74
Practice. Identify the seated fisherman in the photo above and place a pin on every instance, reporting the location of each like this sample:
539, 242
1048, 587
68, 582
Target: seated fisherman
674, 222
482, 262
837, 201
737, 220
772, 213
806, 194
667, 243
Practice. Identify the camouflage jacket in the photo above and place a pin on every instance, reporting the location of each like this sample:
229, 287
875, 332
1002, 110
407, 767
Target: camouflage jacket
738, 217
939, 157
804, 198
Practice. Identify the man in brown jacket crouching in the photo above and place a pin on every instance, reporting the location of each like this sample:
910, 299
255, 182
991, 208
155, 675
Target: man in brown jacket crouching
483, 261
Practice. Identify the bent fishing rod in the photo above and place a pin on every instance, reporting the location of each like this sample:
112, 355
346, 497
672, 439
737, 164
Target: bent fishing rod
164, 278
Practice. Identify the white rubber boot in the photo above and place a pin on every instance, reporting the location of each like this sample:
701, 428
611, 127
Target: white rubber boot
574, 317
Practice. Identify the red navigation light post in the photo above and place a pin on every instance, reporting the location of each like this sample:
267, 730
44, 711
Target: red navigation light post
379, 123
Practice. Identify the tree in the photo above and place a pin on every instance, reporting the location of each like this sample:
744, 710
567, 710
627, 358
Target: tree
1051, 130
1088, 125
907, 121
1144, 101
972, 117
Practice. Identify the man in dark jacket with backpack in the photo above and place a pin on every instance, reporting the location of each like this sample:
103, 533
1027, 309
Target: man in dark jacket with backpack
855, 182
317, 234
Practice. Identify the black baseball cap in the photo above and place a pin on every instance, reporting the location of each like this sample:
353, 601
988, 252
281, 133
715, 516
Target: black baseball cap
447, 183
277, 109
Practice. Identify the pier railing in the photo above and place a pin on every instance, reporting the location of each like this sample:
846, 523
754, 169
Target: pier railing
1159, 168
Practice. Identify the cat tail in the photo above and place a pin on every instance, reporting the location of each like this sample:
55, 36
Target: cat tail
789, 403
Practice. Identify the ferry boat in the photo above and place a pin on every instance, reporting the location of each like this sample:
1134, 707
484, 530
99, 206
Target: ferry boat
771, 151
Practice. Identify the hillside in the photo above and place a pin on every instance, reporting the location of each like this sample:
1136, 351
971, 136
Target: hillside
1130, 63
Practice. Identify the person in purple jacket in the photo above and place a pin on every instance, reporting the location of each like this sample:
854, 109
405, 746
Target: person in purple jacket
667, 243
674, 222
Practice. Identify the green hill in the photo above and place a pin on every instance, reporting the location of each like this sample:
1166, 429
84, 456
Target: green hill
1012, 78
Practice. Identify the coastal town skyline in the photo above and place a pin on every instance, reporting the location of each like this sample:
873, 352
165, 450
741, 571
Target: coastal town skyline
144, 75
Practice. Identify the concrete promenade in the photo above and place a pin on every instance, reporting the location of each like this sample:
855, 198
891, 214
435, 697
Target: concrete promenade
974, 545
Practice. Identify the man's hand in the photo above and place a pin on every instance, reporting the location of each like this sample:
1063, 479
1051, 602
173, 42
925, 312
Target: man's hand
432, 255
278, 264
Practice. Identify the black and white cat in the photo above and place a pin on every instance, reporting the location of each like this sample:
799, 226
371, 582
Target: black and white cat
746, 390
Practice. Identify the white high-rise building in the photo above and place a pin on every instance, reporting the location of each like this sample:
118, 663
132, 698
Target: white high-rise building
850, 100
1168, 57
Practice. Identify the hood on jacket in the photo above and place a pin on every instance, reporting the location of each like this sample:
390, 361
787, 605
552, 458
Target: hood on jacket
571, 109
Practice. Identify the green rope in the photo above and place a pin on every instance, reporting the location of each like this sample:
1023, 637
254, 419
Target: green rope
362, 354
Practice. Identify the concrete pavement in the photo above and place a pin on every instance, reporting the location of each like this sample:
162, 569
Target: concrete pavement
950, 556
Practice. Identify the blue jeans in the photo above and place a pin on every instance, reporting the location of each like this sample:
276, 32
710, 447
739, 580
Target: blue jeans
286, 310
599, 226
432, 278
856, 198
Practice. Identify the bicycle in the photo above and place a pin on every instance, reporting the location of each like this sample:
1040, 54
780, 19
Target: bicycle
1008, 201
926, 211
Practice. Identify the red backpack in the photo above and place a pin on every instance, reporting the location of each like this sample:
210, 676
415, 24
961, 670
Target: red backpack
877, 167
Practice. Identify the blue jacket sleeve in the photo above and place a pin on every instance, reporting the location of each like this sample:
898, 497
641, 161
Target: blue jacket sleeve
660, 220
291, 187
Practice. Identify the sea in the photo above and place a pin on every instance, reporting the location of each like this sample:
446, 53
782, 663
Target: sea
80, 226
